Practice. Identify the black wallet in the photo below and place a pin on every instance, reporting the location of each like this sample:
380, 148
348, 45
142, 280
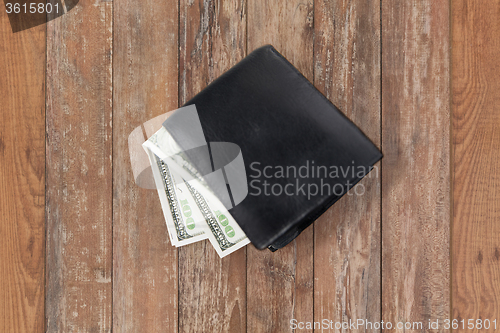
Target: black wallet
300, 153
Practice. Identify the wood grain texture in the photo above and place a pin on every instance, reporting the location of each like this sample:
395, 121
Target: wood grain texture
476, 161
212, 291
280, 284
416, 164
79, 170
22, 178
109, 264
145, 76
347, 236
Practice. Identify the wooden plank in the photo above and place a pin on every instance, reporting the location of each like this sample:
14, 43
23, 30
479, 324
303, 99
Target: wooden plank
416, 166
476, 163
79, 170
22, 178
280, 284
212, 291
145, 72
347, 237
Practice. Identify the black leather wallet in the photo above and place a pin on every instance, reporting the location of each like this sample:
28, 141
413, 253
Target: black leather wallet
300, 153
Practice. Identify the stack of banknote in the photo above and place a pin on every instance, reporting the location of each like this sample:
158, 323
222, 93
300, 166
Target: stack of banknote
192, 211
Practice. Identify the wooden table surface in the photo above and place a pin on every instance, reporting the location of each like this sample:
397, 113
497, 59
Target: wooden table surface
83, 249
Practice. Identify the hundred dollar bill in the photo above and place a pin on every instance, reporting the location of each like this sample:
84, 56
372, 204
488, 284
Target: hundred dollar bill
176, 206
225, 234
220, 227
